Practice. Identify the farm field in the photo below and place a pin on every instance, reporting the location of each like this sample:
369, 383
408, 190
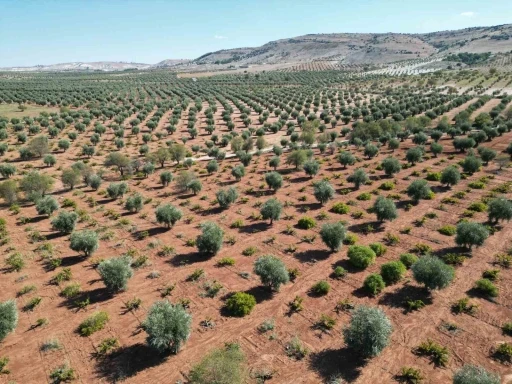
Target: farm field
291, 164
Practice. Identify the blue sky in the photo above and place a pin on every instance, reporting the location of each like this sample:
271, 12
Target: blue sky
55, 31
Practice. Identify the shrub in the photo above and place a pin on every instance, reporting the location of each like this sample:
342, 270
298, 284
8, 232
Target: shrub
340, 208
437, 353
65, 222
432, 272
418, 189
471, 374
274, 180
374, 284
220, 366
333, 235
47, 205
295, 349
306, 223
477, 206
323, 191
8, 318
84, 241
167, 326
500, 209
240, 304
168, 215
321, 288
210, 240
410, 375
271, 271
486, 287
447, 230
392, 271
93, 323
368, 332
450, 176
339, 272
15, 262
470, 234
226, 197
364, 196
378, 248
62, 374
116, 272
361, 256
433, 176
271, 210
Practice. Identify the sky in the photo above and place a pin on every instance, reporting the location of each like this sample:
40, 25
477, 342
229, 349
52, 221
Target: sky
147, 31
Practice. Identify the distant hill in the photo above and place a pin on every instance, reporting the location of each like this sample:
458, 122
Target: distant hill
343, 48
367, 48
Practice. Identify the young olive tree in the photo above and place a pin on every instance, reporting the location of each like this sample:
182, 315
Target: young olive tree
65, 222
499, 209
47, 205
385, 209
332, 235
8, 318
168, 326
84, 241
168, 215
359, 177
116, 272
226, 197
210, 240
274, 180
272, 271
418, 189
369, 331
271, 210
323, 191
470, 234
432, 272
472, 374
450, 176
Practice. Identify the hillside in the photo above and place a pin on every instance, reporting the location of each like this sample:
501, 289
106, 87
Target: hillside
359, 48
82, 66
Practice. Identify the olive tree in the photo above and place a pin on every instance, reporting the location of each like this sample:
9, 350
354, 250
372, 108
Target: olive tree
116, 272
46, 205
272, 271
470, 233
168, 326
118, 160
450, 176
274, 180
226, 197
7, 170
84, 241
391, 166
323, 191
385, 209
358, 177
115, 190
35, 185
165, 178
414, 155
471, 164
168, 215
499, 209
346, 158
271, 210
9, 191
418, 189
70, 177
65, 222
134, 203
332, 235
238, 172
311, 167
432, 272
369, 331
210, 240
472, 374
8, 318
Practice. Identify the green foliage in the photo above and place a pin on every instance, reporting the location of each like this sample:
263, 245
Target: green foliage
84, 241
471, 374
168, 326
340, 208
226, 197
272, 271
116, 272
210, 240
62, 374
486, 287
168, 215
392, 271
321, 288
361, 256
271, 210
134, 203
306, 222
47, 205
418, 189
240, 304
359, 177
93, 323
437, 353
470, 234
333, 235
369, 331
274, 180
65, 222
323, 191
432, 272
385, 209
500, 209
374, 284
221, 366
8, 318
471, 164
391, 166
447, 230
378, 248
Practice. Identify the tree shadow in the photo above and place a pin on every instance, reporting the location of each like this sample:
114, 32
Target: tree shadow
226, 183
363, 228
399, 297
94, 296
300, 179
439, 188
255, 227
55, 235
309, 206
188, 259
312, 255
72, 260
37, 219
261, 293
127, 362
342, 362
473, 292
150, 232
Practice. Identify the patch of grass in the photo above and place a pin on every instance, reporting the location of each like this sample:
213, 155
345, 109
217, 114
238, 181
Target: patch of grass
447, 230
437, 353
93, 323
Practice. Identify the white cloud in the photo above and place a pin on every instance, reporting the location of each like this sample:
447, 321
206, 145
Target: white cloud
468, 14
219, 37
